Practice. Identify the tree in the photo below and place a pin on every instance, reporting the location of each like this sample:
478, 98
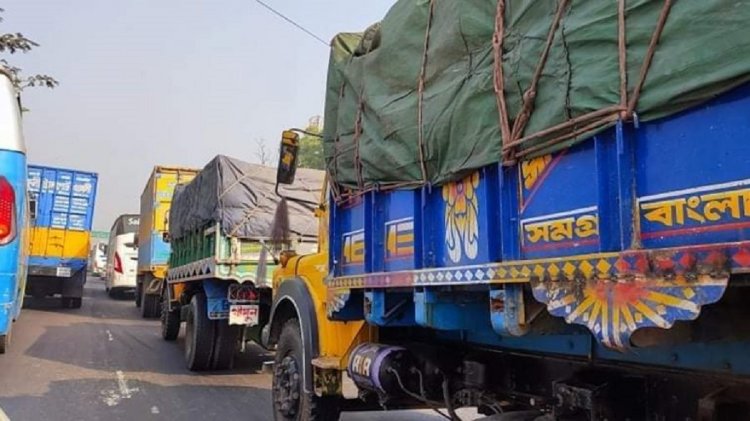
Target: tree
311, 147
13, 43
265, 158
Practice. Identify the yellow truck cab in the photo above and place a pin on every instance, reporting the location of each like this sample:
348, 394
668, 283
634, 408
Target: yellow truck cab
306, 341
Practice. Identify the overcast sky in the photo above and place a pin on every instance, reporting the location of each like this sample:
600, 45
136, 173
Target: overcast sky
147, 82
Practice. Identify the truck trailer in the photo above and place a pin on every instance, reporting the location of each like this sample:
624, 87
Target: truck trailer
153, 249
221, 259
61, 203
536, 209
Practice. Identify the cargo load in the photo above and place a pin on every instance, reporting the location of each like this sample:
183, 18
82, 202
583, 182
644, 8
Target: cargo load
438, 89
240, 197
220, 262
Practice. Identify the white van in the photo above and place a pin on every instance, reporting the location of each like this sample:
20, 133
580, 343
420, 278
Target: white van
122, 256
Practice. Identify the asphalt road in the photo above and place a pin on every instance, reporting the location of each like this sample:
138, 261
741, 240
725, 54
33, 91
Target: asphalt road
103, 362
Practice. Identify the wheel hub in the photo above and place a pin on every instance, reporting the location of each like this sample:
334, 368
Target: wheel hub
286, 389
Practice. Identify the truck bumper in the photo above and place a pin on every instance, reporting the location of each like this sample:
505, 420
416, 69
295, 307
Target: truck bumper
51, 271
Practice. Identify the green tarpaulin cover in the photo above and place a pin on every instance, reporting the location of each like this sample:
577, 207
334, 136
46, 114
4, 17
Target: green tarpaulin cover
373, 119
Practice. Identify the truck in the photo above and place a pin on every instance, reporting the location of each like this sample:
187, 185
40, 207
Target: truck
218, 280
153, 250
61, 206
13, 209
539, 211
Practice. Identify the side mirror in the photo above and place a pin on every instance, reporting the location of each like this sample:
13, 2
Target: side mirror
287, 158
165, 237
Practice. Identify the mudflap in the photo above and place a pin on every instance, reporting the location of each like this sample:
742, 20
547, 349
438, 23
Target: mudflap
216, 299
153, 285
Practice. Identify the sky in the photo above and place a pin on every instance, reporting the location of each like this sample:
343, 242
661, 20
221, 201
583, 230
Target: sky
170, 82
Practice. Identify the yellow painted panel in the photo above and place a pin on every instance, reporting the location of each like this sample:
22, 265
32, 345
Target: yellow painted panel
54, 242
336, 339
165, 184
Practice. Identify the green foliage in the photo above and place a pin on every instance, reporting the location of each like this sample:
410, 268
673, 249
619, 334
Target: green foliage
13, 43
311, 150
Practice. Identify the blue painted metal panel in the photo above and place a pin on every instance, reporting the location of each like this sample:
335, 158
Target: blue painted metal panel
159, 249
217, 302
558, 204
65, 198
350, 254
690, 190
395, 231
13, 254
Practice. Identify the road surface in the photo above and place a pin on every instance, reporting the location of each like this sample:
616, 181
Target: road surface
103, 362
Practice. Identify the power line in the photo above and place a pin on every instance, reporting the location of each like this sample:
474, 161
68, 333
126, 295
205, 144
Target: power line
300, 27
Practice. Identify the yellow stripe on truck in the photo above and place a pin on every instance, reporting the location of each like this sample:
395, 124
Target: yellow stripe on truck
55, 242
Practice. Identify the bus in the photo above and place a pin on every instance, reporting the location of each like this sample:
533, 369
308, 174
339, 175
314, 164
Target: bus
13, 209
98, 259
122, 256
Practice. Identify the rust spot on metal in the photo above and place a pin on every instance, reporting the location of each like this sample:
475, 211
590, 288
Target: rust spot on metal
497, 305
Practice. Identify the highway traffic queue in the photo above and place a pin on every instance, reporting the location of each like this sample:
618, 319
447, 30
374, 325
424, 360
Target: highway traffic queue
544, 227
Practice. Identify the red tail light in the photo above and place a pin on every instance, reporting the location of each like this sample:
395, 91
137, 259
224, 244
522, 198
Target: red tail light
118, 263
7, 211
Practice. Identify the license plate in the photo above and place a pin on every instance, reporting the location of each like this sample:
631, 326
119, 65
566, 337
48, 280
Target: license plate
245, 314
63, 272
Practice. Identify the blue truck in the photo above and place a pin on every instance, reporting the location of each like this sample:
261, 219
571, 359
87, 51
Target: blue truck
13, 213
603, 275
61, 203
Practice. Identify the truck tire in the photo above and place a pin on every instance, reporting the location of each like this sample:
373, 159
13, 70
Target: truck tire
290, 402
150, 306
224, 345
199, 335
5, 342
138, 292
170, 320
71, 302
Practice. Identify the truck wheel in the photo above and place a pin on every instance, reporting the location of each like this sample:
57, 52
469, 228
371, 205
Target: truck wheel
170, 320
290, 402
138, 292
199, 335
5, 342
224, 346
71, 302
150, 305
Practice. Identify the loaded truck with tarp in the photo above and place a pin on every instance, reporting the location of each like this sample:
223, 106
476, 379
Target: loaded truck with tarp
61, 207
153, 249
220, 263
13, 209
539, 209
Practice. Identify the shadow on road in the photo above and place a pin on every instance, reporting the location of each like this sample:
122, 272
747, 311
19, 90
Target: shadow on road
127, 347
135, 400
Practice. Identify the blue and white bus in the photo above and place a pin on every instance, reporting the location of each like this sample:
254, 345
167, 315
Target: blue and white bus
13, 222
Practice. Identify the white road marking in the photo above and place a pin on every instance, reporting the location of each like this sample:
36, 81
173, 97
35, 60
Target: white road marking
123, 385
112, 397
154, 410
3, 416
109, 336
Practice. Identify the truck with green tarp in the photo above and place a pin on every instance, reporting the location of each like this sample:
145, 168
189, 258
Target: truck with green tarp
221, 258
539, 209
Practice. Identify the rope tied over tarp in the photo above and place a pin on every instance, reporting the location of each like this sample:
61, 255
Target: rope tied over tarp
579, 125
